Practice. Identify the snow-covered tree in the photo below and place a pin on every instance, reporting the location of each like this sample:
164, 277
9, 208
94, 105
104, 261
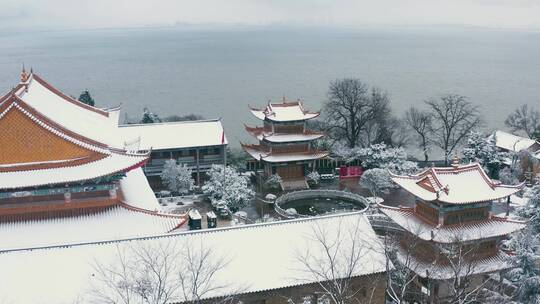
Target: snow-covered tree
377, 181
177, 178
532, 210
273, 182
86, 98
149, 117
379, 156
526, 244
508, 177
227, 185
526, 271
484, 151
314, 177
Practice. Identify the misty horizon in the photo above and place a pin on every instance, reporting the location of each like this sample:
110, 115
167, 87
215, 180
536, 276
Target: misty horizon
68, 15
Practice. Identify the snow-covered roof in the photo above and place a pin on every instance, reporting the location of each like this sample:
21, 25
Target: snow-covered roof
72, 114
173, 135
99, 159
136, 191
113, 163
511, 142
119, 222
261, 257
283, 138
439, 271
455, 185
284, 111
259, 154
493, 227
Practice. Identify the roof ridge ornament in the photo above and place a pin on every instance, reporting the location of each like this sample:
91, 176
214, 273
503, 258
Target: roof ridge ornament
24, 75
455, 161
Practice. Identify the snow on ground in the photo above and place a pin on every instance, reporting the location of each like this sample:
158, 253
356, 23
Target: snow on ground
137, 191
176, 203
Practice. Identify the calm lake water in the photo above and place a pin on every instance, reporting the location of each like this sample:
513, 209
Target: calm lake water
218, 73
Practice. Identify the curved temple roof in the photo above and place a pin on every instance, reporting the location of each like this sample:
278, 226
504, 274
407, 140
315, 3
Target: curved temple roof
72, 114
492, 227
260, 134
34, 112
455, 185
284, 112
257, 153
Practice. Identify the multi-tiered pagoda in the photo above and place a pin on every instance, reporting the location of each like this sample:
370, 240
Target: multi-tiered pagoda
451, 231
286, 146
64, 176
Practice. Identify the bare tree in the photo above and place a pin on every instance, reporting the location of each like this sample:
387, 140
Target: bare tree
420, 123
157, 273
400, 248
453, 118
334, 259
198, 270
351, 106
463, 260
524, 119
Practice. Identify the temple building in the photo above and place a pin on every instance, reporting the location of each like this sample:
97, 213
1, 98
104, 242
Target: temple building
286, 146
451, 231
64, 175
197, 144
262, 266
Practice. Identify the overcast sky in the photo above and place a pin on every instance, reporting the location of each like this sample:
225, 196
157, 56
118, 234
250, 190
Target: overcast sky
131, 13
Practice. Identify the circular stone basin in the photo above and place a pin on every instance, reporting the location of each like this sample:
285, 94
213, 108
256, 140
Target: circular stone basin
317, 202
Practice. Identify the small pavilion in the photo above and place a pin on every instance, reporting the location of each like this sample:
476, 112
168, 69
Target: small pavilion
286, 146
451, 231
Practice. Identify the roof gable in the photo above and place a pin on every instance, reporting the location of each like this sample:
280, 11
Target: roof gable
284, 111
25, 143
455, 185
88, 121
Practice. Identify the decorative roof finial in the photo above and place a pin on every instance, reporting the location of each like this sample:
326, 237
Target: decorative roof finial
24, 75
455, 161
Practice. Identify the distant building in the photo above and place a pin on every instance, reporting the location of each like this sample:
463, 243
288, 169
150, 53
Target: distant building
512, 143
453, 209
197, 144
515, 144
286, 147
64, 176
262, 263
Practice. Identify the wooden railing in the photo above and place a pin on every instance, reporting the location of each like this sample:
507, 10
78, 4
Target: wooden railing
58, 206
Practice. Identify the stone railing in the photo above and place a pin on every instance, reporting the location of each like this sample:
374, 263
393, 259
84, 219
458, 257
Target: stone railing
306, 194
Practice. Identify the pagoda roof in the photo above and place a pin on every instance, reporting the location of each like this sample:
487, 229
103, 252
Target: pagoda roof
440, 271
91, 122
261, 135
459, 184
157, 136
465, 232
275, 243
284, 112
259, 153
